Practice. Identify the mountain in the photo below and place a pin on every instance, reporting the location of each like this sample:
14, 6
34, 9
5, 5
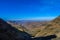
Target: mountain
38, 30
12, 30
53, 27
31, 27
8, 32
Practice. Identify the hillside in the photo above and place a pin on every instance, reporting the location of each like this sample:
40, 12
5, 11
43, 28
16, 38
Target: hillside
8, 32
53, 27
37, 30
31, 27
30, 30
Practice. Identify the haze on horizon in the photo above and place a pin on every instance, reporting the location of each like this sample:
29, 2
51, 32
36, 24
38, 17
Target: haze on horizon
29, 9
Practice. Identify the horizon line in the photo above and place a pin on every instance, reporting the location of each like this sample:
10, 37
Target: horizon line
34, 18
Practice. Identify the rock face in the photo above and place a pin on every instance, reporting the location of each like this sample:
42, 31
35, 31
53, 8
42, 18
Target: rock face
8, 32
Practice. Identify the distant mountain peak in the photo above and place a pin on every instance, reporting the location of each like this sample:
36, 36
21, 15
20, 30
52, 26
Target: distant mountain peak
57, 19
2, 21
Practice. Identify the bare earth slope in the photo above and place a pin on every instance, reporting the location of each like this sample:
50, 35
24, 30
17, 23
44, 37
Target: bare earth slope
51, 28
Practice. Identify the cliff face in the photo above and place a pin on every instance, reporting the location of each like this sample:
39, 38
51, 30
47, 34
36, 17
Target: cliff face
8, 32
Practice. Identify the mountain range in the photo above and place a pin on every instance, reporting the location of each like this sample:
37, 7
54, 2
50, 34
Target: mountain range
30, 30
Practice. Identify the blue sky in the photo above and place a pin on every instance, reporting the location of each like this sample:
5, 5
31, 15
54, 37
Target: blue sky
29, 9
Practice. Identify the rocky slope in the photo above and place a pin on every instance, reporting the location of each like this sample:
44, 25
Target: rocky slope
51, 28
8, 32
30, 27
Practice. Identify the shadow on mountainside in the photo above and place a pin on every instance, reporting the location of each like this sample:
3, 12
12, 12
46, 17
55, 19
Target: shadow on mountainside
46, 37
8, 32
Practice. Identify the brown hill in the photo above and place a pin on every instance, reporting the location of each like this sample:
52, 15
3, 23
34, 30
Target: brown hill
34, 27
51, 28
30, 27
